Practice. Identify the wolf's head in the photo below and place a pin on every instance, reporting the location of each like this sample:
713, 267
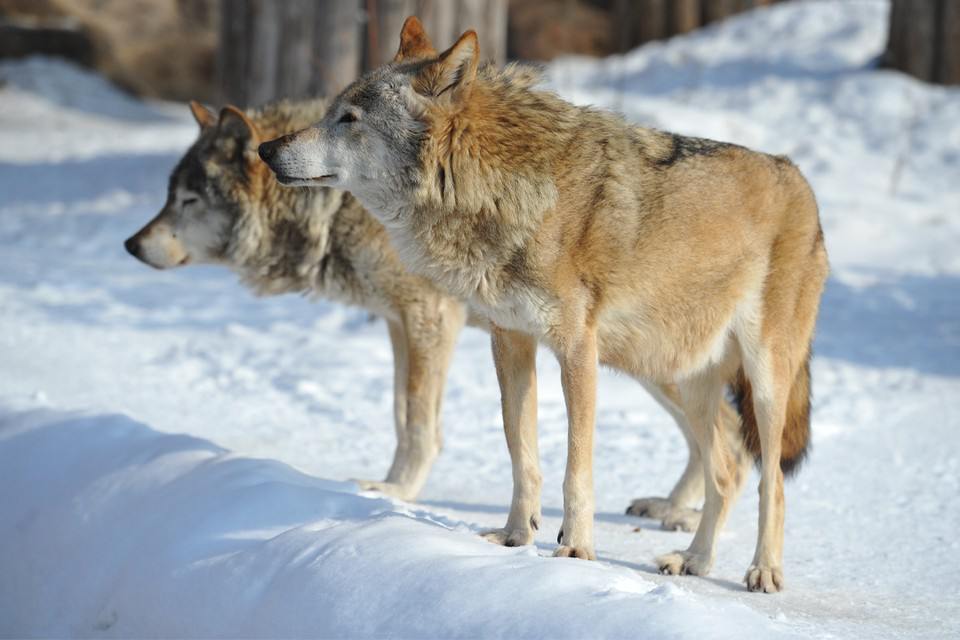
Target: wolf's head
194, 225
370, 140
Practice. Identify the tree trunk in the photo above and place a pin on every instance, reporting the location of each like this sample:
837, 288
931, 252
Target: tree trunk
337, 46
636, 22
950, 37
924, 40
489, 19
291, 49
651, 23
684, 16
713, 10
444, 21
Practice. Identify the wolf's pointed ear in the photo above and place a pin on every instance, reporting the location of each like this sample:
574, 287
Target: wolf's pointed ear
204, 117
414, 42
235, 124
457, 67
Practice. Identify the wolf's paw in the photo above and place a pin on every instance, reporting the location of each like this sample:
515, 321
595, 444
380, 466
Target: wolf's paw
681, 519
582, 552
656, 508
681, 563
765, 579
509, 537
387, 488
672, 518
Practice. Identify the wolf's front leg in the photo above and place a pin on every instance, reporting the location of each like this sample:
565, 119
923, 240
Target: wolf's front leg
423, 344
578, 374
515, 355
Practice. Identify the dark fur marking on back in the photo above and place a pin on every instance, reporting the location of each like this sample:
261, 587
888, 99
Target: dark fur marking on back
683, 147
817, 239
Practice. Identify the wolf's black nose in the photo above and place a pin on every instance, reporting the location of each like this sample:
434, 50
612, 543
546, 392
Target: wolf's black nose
267, 150
132, 245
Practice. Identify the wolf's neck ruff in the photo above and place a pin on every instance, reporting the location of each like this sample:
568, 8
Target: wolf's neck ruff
480, 190
276, 249
284, 239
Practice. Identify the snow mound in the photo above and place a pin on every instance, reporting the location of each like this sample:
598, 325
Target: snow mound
54, 111
73, 87
172, 536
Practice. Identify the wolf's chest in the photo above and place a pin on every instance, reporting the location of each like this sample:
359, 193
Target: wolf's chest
520, 309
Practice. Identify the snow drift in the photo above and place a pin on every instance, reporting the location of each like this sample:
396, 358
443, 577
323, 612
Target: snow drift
172, 536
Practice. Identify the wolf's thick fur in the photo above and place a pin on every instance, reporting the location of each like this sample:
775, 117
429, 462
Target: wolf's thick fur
225, 207
677, 260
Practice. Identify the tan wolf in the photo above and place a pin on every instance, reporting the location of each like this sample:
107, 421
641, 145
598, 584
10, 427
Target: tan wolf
225, 207
677, 260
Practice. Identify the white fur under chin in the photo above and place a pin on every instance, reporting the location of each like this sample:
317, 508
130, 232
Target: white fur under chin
380, 198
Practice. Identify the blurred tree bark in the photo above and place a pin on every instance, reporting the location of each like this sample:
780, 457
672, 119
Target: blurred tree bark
924, 39
291, 49
272, 49
444, 21
638, 21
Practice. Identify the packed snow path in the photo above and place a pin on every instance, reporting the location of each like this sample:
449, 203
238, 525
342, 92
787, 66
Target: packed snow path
111, 525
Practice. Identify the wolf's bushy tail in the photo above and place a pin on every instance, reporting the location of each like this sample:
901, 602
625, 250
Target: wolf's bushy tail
795, 443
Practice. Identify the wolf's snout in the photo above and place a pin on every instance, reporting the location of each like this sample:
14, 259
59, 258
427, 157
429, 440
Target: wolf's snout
132, 245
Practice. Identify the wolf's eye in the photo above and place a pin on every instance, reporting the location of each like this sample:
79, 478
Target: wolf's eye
347, 118
189, 201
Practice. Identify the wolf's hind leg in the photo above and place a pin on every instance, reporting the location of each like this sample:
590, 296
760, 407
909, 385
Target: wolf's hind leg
515, 355
701, 399
678, 510
768, 374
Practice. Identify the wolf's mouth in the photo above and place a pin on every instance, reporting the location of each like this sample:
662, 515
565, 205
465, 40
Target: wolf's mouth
295, 181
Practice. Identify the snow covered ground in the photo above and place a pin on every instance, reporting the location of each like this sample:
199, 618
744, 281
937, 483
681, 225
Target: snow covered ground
174, 453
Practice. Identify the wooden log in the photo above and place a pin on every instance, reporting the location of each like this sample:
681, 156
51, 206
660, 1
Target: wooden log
912, 42
948, 70
714, 10
20, 38
651, 21
683, 16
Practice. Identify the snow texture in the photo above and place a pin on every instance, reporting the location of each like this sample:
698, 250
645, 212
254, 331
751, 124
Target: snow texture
175, 454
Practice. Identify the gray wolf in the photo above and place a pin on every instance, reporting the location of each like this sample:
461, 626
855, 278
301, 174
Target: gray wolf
224, 207
677, 260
